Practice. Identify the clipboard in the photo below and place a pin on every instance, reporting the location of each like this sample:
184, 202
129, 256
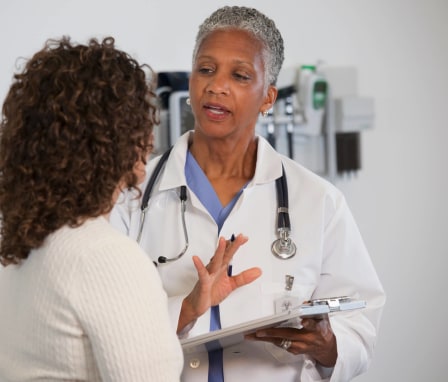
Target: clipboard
233, 335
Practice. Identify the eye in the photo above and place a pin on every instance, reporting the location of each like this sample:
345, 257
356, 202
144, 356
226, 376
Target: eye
241, 77
205, 70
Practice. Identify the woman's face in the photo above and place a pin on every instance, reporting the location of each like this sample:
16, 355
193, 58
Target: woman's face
227, 88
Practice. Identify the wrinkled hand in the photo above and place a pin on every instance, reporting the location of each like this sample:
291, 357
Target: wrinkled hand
315, 338
214, 283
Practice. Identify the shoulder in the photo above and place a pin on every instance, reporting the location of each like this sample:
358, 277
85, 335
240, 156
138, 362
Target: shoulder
96, 241
270, 164
309, 188
305, 177
301, 178
105, 260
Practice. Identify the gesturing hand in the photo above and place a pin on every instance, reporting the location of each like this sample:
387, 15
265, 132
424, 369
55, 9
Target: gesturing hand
214, 283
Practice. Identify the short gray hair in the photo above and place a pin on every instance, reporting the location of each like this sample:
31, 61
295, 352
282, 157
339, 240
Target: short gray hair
254, 22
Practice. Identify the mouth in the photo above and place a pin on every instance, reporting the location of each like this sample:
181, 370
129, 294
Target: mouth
216, 110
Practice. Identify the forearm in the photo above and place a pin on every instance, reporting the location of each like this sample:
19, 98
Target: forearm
356, 338
187, 318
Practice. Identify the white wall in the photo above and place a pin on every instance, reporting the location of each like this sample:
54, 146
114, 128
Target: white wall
399, 198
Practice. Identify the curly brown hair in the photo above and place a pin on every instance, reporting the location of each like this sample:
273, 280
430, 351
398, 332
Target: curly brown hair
74, 123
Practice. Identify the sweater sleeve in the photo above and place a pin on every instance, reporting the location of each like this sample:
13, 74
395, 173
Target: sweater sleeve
122, 307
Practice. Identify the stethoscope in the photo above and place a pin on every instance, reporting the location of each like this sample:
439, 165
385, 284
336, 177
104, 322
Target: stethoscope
283, 247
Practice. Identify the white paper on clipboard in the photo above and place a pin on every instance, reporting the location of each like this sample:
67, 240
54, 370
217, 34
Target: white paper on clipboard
233, 335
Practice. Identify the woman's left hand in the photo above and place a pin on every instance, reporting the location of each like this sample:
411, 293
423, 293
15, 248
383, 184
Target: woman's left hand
214, 282
315, 338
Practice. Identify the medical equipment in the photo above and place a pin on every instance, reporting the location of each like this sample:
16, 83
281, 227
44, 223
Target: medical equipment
181, 116
289, 111
349, 114
284, 107
283, 247
176, 116
312, 96
270, 128
144, 208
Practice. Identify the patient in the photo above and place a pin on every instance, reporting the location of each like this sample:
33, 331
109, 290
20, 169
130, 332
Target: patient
79, 300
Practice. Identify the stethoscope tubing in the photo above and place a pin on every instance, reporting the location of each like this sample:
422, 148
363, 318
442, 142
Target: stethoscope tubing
283, 247
283, 203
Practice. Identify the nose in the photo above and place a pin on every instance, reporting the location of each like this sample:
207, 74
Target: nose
218, 84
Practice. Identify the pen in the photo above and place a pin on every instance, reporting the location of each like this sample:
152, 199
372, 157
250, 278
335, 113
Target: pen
229, 269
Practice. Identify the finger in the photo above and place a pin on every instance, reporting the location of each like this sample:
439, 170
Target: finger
233, 246
254, 337
309, 323
303, 339
321, 325
217, 260
277, 341
290, 333
250, 336
246, 277
200, 267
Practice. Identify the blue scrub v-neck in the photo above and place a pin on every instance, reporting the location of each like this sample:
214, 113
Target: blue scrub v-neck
198, 182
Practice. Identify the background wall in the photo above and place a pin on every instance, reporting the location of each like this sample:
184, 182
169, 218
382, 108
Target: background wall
399, 198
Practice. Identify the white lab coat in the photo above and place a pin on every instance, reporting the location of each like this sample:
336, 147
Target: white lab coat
331, 260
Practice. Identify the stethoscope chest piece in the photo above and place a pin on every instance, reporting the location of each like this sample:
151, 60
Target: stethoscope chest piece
283, 247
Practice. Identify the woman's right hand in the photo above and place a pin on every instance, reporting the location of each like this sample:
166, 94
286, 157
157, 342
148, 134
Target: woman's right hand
214, 283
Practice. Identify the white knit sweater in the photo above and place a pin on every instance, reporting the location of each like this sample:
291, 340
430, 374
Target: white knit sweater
86, 306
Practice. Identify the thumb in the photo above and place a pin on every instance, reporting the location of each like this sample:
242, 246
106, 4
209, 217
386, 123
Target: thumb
246, 277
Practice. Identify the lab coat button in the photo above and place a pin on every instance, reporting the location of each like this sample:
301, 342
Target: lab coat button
194, 363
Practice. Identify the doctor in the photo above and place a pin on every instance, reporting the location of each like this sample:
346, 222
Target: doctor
230, 178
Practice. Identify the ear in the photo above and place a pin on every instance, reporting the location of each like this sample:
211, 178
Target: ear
269, 99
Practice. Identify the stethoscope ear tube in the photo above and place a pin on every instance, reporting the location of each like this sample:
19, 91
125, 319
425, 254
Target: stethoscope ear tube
283, 247
153, 178
283, 203
183, 207
145, 201
148, 190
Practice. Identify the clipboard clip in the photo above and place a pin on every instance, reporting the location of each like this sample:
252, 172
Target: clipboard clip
334, 303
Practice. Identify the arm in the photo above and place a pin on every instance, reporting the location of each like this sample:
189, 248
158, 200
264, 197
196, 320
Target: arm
344, 341
348, 270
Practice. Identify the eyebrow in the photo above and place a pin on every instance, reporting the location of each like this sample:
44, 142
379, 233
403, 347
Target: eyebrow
235, 61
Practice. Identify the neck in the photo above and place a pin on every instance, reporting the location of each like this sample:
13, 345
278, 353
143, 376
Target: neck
225, 159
